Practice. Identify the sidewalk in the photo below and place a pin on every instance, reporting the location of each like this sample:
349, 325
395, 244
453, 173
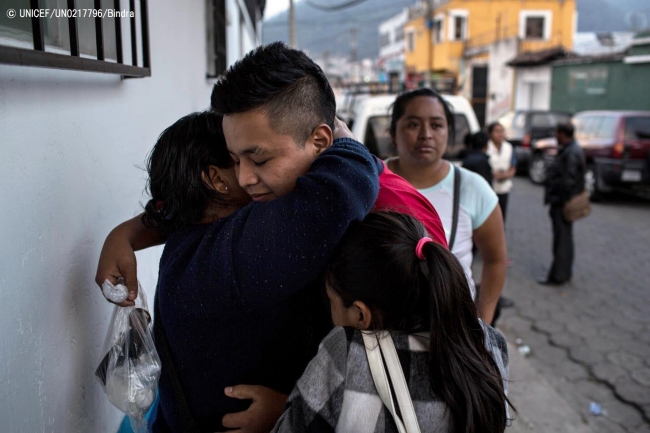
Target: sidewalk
540, 409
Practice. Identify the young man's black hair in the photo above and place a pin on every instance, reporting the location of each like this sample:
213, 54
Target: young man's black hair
284, 83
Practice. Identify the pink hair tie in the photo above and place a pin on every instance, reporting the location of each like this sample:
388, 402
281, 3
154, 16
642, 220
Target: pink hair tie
418, 248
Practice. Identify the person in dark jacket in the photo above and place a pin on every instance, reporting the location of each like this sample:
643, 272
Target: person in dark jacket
477, 160
565, 180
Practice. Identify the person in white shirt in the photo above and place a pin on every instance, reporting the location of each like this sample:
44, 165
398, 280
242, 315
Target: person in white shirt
421, 124
503, 160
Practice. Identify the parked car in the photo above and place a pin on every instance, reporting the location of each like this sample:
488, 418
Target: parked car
371, 123
617, 151
523, 129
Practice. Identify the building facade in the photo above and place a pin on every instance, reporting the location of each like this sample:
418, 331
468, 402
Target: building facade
607, 82
455, 37
75, 136
392, 46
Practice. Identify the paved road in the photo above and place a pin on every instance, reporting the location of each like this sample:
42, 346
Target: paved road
591, 338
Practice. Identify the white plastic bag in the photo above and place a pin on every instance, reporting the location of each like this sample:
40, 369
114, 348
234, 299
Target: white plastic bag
130, 369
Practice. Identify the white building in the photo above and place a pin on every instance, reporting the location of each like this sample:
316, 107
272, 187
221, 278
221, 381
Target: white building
391, 44
73, 144
533, 74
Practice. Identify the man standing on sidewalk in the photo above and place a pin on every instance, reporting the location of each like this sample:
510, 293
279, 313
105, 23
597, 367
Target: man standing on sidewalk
565, 179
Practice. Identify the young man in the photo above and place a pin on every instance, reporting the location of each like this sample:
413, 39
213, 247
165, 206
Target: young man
278, 113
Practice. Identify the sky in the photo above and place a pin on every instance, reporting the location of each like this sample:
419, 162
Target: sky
273, 7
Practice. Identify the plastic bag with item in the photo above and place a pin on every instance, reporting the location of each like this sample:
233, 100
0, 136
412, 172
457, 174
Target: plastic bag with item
130, 369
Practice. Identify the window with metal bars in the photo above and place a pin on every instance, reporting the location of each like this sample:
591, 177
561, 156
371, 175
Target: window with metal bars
216, 16
80, 39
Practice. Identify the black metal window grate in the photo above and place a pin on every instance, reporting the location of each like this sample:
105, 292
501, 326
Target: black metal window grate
38, 57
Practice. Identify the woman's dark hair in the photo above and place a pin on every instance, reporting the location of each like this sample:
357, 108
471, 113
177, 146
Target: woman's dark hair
399, 106
493, 125
175, 166
376, 263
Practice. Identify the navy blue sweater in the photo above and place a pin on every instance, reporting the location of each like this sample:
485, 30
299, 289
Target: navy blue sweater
237, 298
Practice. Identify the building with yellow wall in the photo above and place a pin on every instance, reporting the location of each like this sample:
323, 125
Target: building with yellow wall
455, 36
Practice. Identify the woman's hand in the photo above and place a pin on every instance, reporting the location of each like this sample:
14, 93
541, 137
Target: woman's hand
263, 413
341, 130
116, 260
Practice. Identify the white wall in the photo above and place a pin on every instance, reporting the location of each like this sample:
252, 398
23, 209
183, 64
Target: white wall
533, 88
500, 79
72, 143
391, 26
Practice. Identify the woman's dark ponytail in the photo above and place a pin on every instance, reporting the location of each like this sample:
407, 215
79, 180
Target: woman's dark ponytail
462, 371
377, 263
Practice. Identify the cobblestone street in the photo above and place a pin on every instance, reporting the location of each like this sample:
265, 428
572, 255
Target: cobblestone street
590, 338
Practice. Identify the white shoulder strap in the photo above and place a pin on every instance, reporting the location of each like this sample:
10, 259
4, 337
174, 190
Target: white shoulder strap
380, 349
399, 384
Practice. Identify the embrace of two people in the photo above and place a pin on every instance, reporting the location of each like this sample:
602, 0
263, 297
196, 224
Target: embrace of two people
268, 208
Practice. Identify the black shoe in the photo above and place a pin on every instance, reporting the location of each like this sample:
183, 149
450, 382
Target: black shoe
506, 302
547, 282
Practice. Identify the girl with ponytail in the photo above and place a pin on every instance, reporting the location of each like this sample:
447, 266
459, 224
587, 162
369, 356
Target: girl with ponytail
387, 275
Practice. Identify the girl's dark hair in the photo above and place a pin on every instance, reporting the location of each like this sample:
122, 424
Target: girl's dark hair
493, 125
376, 263
175, 166
399, 106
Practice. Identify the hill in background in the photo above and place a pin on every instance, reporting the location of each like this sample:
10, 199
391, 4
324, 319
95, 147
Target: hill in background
319, 31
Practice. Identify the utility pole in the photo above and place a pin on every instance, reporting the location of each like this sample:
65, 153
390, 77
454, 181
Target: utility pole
428, 21
292, 25
353, 52
353, 45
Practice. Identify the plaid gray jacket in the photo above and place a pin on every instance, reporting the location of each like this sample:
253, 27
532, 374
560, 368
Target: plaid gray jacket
336, 392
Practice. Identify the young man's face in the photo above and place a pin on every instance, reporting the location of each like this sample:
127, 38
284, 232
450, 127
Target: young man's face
267, 163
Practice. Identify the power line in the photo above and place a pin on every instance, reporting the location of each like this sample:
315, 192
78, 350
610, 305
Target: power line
336, 7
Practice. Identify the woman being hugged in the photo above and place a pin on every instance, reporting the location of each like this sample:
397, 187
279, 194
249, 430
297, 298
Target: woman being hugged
422, 123
386, 275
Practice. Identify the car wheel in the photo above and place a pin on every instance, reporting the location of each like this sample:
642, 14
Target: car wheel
537, 169
591, 183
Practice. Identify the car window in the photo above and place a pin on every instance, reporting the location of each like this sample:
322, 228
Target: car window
637, 128
519, 121
605, 128
377, 138
560, 118
541, 120
462, 129
584, 127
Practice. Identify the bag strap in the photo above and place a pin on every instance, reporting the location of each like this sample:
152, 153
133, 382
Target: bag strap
380, 349
399, 384
454, 215
187, 420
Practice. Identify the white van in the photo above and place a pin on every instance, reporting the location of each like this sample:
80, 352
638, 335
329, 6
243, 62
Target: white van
371, 122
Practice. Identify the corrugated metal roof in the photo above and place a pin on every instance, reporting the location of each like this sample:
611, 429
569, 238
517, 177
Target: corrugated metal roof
541, 57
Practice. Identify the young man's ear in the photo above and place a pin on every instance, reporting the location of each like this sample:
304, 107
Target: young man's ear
362, 315
215, 179
321, 137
